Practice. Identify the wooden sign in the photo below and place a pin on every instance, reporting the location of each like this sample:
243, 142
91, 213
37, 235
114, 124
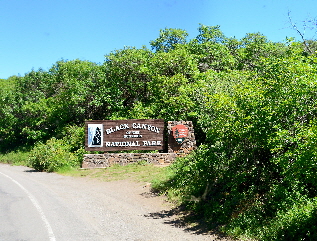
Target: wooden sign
121, 135
180, 132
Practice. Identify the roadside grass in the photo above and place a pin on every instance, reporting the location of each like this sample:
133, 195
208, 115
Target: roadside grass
16, 158
138, 172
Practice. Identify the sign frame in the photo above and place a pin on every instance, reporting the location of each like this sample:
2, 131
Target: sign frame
125, 135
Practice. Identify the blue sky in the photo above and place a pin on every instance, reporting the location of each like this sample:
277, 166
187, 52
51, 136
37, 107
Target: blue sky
37, 33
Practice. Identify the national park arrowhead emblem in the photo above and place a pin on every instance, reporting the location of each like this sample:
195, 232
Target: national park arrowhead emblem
180, 132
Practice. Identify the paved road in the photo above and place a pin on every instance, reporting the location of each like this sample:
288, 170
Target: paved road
47, 206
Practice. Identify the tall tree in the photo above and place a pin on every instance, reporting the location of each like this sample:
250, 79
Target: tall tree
169, 38
210, 34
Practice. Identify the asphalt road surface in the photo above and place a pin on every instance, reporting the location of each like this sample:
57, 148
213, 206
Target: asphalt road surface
47, 206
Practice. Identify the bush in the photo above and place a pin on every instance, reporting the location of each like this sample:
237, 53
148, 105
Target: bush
296, 223
255, 175
52, 156
58, 154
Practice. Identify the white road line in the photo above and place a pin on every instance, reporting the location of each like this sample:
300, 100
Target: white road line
37, 206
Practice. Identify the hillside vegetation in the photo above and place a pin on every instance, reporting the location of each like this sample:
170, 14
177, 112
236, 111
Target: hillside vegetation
252, 102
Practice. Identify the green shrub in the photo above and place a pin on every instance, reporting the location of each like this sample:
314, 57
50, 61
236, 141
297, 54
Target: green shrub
58, 154
255, 176
52, 156
294, 218
296, 223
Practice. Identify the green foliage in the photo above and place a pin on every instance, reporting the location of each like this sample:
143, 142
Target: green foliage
8, 120
81, 92
256, 171
210, 50
295, 223
169, 38
210, 34
252, 102
18, 158
57, 154
52, 156
294, 217
171, 97
176, 61
128, 75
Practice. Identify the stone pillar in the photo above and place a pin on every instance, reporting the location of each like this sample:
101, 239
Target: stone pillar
189, 142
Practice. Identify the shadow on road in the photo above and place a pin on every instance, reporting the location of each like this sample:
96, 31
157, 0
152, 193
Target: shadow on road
180, 218
32, 170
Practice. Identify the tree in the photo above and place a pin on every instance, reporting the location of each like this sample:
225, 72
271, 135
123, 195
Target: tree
8, 120
313, 23
210, 34
127, 73
255, 47
169, 38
